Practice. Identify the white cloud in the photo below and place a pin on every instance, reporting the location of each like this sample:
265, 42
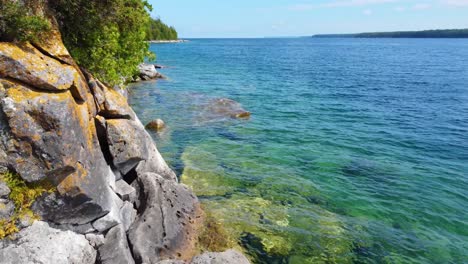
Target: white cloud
455, 2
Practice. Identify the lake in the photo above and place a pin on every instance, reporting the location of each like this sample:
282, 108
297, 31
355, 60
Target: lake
356, 150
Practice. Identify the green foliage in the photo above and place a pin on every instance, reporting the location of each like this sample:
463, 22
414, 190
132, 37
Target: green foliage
106, 37
23, 195
157, 30
19, 21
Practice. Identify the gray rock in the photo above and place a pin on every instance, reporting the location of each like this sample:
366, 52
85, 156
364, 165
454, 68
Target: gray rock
41, 142
228, 257
25, 63
111, 104
113, 218
127, 144
172, 261
95, 240
155, 162
80, 229
148, 72
115, 249
4, 190
166, 229
41, 244
7, 209
127, 215
125, 191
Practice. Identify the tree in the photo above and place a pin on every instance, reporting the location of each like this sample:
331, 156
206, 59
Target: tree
157, 30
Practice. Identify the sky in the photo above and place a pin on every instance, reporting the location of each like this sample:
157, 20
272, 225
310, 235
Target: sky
281, 18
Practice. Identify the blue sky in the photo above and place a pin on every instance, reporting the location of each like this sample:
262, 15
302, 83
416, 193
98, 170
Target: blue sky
266, 18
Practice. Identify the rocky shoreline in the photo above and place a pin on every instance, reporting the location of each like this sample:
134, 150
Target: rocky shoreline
102, 191
167, 41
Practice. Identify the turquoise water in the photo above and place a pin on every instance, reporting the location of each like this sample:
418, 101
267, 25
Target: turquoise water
356, 151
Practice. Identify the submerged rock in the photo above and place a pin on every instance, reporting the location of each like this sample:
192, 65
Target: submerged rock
227, 107
42, 244
156, 125
228, 257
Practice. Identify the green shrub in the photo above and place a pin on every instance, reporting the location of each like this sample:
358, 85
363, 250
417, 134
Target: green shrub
106, 37
18, 21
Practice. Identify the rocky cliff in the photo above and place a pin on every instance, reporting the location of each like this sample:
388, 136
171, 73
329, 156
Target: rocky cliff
110, 196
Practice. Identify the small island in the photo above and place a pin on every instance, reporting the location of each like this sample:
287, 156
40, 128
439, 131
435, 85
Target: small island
439, 33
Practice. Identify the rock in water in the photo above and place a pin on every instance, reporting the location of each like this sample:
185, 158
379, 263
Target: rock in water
148, 72
228, 257
224, 107
168, 223
41, 244
156, 125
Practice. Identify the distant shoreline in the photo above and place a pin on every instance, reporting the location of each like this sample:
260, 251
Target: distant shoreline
167, 41
440, 33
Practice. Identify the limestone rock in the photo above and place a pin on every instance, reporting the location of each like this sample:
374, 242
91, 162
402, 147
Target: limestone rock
25, 63
41, 244
6, 209
127, 144
169, 220
227, 257
156, 125
115, 249
148, 72
127, 215
155, 162
41, 142
95, 240
80, 229
111, 103
4, 190
125, 191
112, 218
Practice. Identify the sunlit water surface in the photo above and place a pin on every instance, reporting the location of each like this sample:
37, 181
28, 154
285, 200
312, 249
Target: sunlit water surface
356, 151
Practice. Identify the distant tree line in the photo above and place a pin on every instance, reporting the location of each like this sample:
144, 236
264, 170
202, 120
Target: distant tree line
157, 30
440, 33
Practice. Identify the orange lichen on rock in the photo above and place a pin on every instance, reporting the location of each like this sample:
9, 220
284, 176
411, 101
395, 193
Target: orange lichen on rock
27, 64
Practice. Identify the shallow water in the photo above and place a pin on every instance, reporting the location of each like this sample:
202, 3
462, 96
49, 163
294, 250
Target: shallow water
356, 152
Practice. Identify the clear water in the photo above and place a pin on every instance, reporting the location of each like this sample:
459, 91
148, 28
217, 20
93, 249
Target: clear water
356, 151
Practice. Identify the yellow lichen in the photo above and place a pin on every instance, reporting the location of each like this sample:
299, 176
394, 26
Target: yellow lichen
23, 195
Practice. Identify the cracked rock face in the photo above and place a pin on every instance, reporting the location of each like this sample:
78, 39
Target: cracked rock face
41, 244
166, 224
114, 191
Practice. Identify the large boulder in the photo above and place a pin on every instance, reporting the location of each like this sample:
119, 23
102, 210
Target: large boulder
148, 72
41, 143
127, 143
41, 244
167, 225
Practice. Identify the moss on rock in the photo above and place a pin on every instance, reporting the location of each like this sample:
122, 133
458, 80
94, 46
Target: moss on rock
23, 195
